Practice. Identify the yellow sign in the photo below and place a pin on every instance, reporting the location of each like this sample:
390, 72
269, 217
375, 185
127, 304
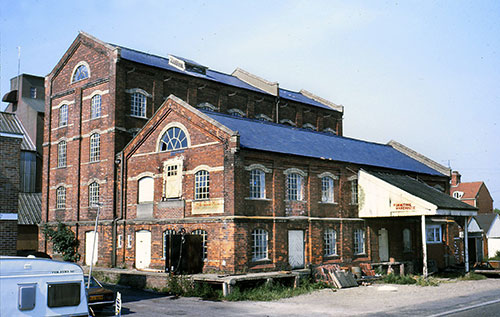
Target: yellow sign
212, 206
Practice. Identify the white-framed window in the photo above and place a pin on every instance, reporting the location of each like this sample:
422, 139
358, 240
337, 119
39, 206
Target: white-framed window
119, 243
95, 106
359, 241
166, 233
63, 115
146, 190
259, 244
33, 92
354, 192
61, 154
207, 106
257, 183
458, 195
129, 241
60, 197
202, 185
309, 126
174, 139
80, 73
263, 117
406, 240
330, 237
95, 147
203, 235
138, 102
434, 233
327, 190
294, 182
93, 194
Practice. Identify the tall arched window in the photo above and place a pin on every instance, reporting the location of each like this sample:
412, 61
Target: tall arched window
60, 197
173, 139
202, 185
95, 147
259, 244
61, 154
146, 190
63, 116
257, 183
93, 194
330, 237
138, 104
327, 195
95, 107
80, 73
294, 183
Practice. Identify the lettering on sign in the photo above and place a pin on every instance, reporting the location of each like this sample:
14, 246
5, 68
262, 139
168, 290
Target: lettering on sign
403, 207
212, 206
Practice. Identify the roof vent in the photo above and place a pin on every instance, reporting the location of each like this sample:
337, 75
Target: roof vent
186, 65
255, 81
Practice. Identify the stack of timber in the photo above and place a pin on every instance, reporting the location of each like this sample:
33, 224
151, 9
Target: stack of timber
334, 276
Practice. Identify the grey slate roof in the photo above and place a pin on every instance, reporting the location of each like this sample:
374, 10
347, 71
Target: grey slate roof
424, 191
10, 124
485, 221
266, 136
30, 208
162, 62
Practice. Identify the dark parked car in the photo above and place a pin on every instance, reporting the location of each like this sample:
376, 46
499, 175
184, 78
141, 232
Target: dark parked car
98, 296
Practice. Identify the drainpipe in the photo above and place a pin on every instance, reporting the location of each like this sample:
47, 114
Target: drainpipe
424, 247
466, 243
116, 218
277, 102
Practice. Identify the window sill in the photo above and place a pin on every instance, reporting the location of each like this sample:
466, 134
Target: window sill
331, 256
137, 117
258, 199
328, 203
434, 242
92, 162
298, 201
261, 261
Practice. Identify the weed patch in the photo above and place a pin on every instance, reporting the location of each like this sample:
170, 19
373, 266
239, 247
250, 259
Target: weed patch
409, 280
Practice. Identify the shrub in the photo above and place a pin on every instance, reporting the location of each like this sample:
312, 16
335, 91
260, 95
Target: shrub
64, 241
409, 280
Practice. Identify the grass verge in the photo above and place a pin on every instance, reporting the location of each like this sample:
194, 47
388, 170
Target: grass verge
409, 280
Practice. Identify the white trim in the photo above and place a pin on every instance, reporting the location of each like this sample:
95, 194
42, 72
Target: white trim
329, 130
64, 102
328, 174
138, 90
8, 216
295, 170
206, 168
143, 174
263, 116
207, 105
258, 166
94, 180
309, 126
352, 178
174, 124
11, 135
236, 110
96, 92
290, 122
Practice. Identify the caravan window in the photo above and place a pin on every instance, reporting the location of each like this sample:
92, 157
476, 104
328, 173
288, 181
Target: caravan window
65, 294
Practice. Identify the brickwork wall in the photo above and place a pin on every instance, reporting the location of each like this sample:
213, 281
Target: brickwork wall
484, 201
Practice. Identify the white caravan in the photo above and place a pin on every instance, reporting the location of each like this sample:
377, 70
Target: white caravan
41, 287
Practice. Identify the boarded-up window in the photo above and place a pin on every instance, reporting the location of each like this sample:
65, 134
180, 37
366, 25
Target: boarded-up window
146, 190
172, 179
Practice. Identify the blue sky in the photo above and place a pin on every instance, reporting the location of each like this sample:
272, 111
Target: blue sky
424, 73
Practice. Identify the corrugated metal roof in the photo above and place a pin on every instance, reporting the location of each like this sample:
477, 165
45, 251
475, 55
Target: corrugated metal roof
30, 208
266, 136
10, 124
424, 191
162, 62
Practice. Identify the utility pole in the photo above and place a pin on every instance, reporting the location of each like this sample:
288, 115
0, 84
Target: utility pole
94, 242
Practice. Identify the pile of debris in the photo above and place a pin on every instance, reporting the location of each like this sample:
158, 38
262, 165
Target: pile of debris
339, 277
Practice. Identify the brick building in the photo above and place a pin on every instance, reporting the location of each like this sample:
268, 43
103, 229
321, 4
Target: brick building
262, 173
473, 193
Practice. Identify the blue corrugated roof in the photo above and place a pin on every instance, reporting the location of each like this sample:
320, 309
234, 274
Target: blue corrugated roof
162, 62
266, 136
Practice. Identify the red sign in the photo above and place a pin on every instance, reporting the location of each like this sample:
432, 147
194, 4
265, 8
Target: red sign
403, 206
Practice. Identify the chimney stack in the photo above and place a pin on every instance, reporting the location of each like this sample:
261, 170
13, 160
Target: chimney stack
455, 178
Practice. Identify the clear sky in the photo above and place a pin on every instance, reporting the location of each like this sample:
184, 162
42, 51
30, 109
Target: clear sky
424, 73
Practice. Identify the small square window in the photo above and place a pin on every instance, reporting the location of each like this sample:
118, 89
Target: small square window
33, 92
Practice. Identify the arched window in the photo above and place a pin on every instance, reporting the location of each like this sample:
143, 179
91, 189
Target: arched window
63, 116
138, 104
174, 139
330, 237
61, 154
309, 126
146, 190
207, 106
95, 147
257, 183
236, 112
60, 197
202, 185
93, 194
203, 235
263, 117
259, 244
80, 73
327, 187
294, 183
95, 107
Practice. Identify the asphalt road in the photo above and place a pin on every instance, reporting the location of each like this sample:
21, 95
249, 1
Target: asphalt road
471, 298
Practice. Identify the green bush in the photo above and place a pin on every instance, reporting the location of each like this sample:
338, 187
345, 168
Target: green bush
64, 241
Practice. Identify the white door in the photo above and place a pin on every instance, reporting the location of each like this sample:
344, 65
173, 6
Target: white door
142, 249
296, 248
383, 245
89, 246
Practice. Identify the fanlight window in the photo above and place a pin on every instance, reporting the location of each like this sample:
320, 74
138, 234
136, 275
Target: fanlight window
81, 73
174, 139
